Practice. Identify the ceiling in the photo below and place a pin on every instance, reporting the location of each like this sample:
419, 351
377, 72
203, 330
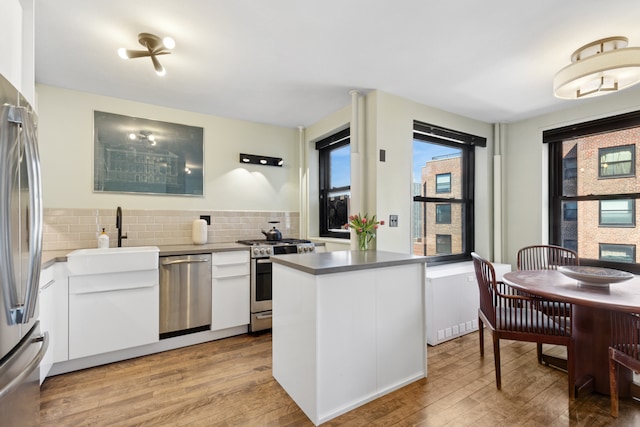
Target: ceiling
292, 62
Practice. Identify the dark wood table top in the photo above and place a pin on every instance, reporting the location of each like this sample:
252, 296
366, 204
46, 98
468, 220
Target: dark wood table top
551, 284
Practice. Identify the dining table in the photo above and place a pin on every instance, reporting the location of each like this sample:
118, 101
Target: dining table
592, 305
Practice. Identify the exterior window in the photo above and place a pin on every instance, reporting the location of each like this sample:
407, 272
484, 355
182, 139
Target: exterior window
443, 244
593, 188
335, 184
617, 213
443, 214
618, 253
617, 161
443, 183
443, 171
570, 211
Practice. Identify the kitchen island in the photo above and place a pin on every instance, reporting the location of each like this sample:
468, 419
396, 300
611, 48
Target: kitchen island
348, 327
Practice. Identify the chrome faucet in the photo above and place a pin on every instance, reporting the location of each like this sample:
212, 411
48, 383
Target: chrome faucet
119, 226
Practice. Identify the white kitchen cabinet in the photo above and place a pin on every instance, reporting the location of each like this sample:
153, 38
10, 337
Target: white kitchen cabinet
53, 315
452, 300
113, 311
230, 289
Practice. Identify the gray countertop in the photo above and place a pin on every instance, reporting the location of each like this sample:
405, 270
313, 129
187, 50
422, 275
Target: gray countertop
51, 257
339, 261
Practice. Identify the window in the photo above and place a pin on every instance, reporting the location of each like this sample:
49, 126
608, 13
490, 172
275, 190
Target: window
443, 214
617, 253
443, 171
334, 155
443, 244
617, 213
570, 210
593, 187
617, 161
443, 183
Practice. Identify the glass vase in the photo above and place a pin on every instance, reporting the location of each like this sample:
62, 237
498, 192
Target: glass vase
363, 242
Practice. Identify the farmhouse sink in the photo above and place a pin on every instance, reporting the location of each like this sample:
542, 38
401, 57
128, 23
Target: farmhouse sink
112, 260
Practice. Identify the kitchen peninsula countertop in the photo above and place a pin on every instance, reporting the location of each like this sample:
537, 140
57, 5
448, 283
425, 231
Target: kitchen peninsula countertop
339, 261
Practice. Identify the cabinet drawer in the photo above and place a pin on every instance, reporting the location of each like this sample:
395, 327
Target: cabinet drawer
231, 270
231, 300
232, 257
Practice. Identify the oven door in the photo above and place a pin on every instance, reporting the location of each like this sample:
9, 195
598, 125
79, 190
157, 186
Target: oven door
261, 285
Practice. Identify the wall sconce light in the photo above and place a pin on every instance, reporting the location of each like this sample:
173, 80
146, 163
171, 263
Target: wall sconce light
600, 67
255, 159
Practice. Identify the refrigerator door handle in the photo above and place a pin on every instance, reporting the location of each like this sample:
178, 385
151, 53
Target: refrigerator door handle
34, 214
7, 150
33, 364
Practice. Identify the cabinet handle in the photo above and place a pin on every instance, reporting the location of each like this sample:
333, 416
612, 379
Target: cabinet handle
49, 283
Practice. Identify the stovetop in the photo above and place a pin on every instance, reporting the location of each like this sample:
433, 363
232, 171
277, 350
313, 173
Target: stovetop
265, 248
282, 242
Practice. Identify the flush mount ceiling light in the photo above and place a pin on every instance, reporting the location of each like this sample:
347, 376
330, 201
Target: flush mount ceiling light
144, 136
261, 160
155, 46
598, 68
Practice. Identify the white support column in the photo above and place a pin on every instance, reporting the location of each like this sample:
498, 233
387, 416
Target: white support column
304, 184
356, 201
497, 193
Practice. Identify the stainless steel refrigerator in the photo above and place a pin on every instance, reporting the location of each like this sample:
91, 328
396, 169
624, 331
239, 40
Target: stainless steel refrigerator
21, 344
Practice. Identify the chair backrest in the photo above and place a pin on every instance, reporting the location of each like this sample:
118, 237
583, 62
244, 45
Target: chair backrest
625, 336
486, 278
545, 257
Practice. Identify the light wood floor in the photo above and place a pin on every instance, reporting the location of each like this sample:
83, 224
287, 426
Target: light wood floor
229, 383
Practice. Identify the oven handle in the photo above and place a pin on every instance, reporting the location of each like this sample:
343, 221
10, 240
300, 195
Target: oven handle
263, 261
264, 316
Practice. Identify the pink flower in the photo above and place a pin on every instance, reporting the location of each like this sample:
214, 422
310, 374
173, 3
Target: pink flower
364, 220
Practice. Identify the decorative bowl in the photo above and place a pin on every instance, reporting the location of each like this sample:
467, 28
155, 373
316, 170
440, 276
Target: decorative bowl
595, 276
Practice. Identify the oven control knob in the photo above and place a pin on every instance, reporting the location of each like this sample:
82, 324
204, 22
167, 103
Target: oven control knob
262, 251
256, 251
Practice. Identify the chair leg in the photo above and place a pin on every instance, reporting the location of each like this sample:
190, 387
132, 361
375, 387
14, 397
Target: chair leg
481, 335
613, 384
496, 359
571, 373
539, 351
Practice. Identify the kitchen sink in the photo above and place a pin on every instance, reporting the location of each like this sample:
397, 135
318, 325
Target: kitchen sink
112, 260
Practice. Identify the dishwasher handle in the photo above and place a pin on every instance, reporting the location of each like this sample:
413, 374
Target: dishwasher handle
185, 261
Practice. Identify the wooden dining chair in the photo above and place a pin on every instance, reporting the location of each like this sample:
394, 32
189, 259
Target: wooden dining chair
624, 350
547, 257
513, 316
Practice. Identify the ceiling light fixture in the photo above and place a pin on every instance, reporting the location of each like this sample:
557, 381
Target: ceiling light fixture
154, 45
598, 68
261, 160
143, 136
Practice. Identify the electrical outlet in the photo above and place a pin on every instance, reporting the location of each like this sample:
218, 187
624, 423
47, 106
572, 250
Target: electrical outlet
206, 218
393, 220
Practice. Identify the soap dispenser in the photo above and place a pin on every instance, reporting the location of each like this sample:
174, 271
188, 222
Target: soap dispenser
103, 240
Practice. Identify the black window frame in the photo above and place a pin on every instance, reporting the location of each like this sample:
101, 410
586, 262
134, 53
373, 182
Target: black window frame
325, 146
554, 138
466, 142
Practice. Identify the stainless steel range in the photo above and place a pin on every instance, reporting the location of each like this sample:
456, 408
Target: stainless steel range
261, 280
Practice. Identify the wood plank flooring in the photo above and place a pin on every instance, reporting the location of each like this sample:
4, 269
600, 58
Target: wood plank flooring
229, 383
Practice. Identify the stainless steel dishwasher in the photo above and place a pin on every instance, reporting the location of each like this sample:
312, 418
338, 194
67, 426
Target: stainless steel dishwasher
185, 294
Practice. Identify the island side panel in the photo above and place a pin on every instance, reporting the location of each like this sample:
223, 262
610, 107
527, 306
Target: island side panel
294, 336
401, 326
347, 341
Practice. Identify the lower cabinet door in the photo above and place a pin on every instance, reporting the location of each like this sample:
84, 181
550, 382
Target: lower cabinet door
108, 320
230, 302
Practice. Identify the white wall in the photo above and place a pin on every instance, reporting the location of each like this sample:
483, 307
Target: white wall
66, 150
388, 185
525, 166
